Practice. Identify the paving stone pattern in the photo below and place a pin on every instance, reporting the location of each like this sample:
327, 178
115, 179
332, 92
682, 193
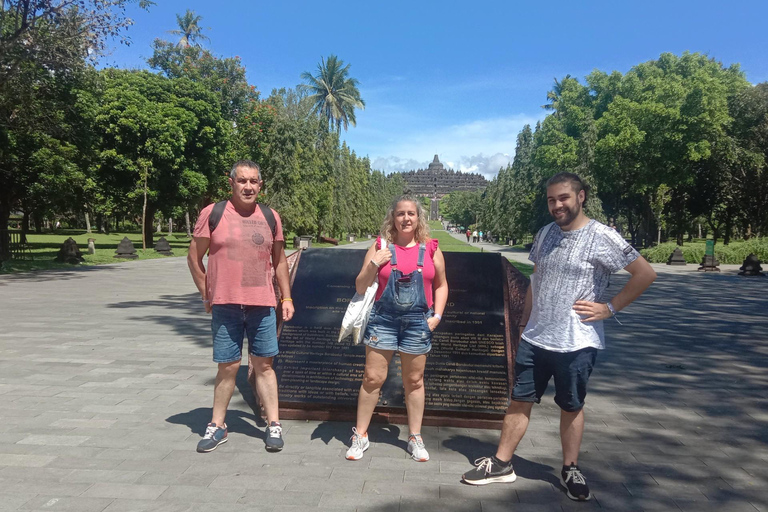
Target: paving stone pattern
106, 383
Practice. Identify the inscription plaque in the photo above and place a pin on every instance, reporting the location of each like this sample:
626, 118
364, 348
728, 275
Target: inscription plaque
467, 369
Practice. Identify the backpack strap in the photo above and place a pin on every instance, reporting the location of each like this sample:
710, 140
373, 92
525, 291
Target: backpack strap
270, 217
216, 214
422, 251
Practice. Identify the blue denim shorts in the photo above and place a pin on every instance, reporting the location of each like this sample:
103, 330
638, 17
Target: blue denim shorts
534, 366
231, 322
403, 332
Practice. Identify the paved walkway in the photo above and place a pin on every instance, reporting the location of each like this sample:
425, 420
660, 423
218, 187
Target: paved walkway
106, 384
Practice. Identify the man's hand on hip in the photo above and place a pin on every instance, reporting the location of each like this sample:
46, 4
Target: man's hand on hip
592, 311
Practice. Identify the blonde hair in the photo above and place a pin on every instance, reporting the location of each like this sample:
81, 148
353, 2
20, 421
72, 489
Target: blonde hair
388, 229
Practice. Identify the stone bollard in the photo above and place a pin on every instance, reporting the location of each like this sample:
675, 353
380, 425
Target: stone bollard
69, 253
91, 246
126, 250
676, 258
163, 247
751, 267
709, 263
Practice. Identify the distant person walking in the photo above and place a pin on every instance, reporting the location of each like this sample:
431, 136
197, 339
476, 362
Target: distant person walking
474, 237
409, 305
562, 327
244, 241
469, 233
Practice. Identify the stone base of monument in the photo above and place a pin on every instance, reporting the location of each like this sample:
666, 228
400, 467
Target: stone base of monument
751, 267
676, 258
469, 370
709, 264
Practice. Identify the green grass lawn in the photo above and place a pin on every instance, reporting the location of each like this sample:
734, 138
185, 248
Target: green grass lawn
435, 225
45, 247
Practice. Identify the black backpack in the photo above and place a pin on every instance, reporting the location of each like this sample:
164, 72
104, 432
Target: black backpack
218, 211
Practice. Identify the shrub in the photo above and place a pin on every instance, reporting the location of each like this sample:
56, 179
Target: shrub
733, 253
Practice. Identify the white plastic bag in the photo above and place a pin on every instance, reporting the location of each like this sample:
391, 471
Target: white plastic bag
359, 309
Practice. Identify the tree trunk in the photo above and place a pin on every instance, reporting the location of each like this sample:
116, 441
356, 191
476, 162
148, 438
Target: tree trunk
5, 214
149, 224
38, 222
727, 234
25, 222
699, 223
87, 223
186, 220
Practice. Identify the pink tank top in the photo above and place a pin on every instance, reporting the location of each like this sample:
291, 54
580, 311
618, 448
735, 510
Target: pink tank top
407, 257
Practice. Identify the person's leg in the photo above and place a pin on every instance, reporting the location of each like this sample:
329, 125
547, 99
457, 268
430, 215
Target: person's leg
413, 384
228, 329
222, 391
513, 429
572, 372
266, 386
261, 328
571, 433
376, 366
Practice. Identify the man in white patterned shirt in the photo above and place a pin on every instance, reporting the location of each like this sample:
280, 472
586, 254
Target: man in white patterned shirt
562, 327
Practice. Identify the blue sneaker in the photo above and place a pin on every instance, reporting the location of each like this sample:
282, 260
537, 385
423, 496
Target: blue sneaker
274, 440
214, 436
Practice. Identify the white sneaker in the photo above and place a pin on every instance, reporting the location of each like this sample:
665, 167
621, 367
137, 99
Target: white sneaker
359, 443
417, 449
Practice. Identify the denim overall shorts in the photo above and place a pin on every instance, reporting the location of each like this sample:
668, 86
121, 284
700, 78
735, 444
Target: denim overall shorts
398, 319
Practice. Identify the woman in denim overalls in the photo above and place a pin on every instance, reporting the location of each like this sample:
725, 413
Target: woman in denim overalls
401, 319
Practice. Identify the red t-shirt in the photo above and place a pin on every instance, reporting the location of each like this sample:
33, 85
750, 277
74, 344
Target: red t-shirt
407, 257
239, 257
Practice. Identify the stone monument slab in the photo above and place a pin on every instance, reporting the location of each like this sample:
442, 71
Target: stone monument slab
468, 371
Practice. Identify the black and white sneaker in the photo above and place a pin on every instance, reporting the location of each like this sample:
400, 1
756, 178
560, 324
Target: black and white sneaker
274, 441
490, 470
573, 480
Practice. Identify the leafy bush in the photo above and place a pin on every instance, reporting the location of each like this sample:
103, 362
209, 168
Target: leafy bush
733, 253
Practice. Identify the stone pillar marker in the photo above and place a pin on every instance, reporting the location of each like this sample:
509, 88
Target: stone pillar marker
676, 258
91, 246
751, 267
709, 263
126, 250
69, 253
163, 247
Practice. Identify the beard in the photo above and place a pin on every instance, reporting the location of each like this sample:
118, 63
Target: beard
569, 216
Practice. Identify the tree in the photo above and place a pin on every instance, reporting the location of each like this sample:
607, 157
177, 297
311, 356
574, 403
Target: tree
335, 94
167, 133
44, 48
189, 29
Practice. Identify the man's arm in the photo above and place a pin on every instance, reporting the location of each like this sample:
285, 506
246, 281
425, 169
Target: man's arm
528, 304
280, 262
642, 277
197, 250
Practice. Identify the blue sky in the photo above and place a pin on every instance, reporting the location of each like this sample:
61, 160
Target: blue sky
455, 79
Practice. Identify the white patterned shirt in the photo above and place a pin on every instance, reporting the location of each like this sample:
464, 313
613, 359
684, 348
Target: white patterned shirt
570, 266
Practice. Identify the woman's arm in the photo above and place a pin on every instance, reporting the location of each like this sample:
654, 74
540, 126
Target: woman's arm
439, 289
373, 260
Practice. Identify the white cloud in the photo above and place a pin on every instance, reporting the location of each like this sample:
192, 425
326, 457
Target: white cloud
482, 146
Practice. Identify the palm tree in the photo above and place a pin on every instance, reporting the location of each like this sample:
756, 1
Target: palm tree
553, 96
189, 29
334, 93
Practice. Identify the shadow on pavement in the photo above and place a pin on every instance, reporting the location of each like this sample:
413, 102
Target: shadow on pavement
237, 421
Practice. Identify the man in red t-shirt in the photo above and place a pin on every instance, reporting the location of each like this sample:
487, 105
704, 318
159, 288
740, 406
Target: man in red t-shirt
237, 290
